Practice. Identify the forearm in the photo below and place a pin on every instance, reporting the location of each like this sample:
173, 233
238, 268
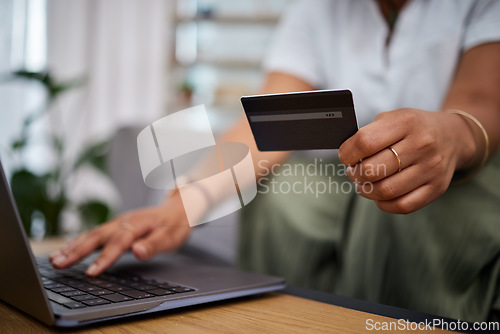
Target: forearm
476, 90
212, 191
241, 132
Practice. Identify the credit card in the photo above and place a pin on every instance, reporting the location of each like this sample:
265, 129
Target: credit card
314, 120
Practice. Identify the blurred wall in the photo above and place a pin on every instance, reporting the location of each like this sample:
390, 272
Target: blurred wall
123, 48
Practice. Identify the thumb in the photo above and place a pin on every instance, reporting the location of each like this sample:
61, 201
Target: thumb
162, 239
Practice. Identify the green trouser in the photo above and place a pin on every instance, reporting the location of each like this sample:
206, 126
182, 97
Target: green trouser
443, 259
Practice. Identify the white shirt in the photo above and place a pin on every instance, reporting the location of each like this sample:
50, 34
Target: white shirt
341, 44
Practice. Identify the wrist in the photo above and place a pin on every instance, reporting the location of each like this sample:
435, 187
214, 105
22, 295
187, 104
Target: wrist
473, 144
191, 196
465, 139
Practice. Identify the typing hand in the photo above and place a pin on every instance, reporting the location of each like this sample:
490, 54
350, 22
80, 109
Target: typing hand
147, 231
406, 158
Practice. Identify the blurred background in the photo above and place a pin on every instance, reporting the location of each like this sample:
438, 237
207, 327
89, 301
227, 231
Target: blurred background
79, 79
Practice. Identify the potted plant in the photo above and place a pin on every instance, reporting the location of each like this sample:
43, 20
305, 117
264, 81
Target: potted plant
42, 198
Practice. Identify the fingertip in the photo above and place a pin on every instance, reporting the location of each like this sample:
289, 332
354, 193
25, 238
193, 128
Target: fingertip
59, 261
54, 255
140, 251
92, 270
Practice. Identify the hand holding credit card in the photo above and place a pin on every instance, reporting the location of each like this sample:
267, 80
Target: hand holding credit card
312, 120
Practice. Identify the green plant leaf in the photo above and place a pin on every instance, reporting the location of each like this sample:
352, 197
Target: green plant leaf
53, 87
28, 186
94, 155
52, 211
94, 211
42, 76
30, 193
57, 89
18, 144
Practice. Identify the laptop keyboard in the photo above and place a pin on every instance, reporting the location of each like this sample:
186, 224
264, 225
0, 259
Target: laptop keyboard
72, 289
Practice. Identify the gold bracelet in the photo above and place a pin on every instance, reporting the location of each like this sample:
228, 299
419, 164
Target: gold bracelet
468, 175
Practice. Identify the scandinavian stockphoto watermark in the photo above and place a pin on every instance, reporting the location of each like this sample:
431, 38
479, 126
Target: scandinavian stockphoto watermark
170, 150
316, 178
405, 325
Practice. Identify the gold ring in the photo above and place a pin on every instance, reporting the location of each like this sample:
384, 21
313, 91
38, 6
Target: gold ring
400, 166
125, 225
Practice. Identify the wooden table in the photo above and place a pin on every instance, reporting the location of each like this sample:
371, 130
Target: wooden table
269, 313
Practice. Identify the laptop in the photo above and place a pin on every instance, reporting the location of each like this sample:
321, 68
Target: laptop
67, 298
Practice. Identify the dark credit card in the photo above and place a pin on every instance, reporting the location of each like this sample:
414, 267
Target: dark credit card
313, 120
